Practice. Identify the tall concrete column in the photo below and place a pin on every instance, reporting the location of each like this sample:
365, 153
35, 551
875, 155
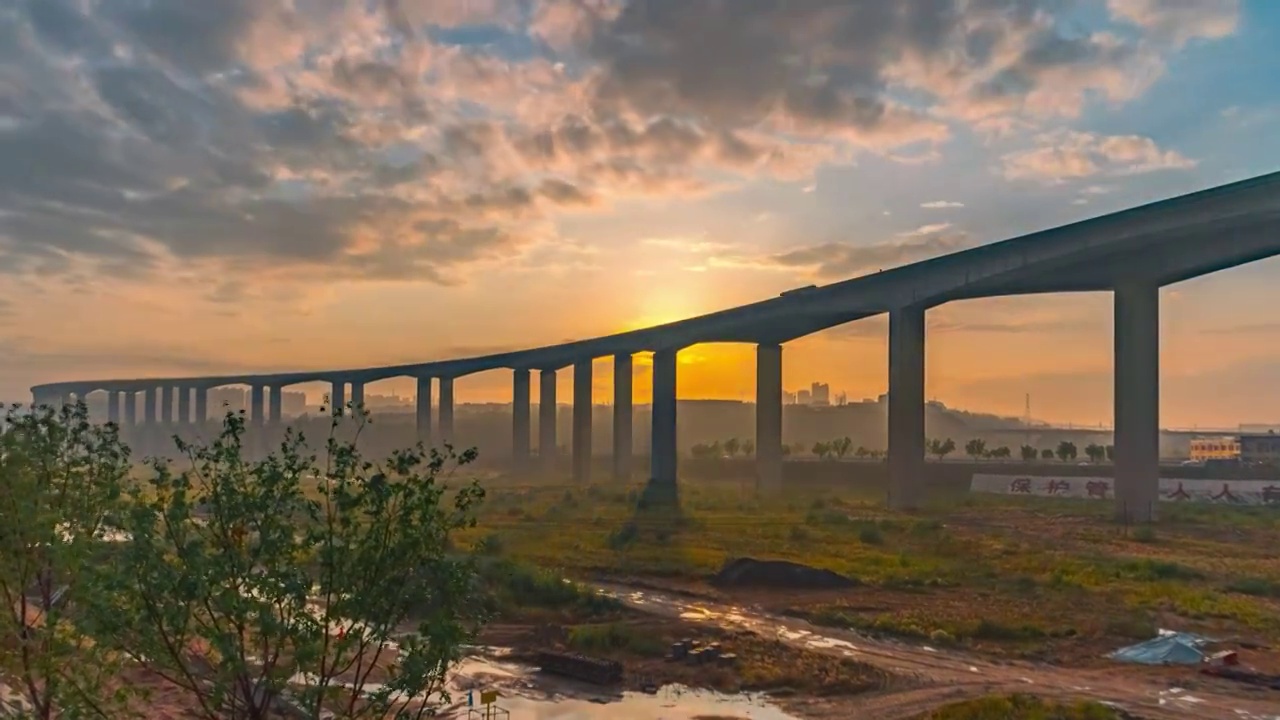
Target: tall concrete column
622, 416
67, 399
113, 407
582, 378
424, 411
547, 448
166, 405
256, 397
662, 458
149, 407
520, 419
184, 406
906, 407
446, 410
338, 397
769, 417
277, 397
130, 409
202, 406
357, 394
1137, 400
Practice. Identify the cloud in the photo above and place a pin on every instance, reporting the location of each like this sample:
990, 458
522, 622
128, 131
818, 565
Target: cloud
941, 204
402, 140
1069, 154
1177, 21
839, 260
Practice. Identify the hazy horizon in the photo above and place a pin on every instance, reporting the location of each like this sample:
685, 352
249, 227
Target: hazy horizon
255, 187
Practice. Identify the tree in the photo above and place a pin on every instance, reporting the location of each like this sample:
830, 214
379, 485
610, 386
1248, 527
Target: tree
1029, 453
821, 449
1001, 453
61, 482
941, 448
748, 447
1111, 453
975, 448
700, 450
1066, 451
861, 452
1046, 454
731, 446
244, 579
1095, 452
841, 447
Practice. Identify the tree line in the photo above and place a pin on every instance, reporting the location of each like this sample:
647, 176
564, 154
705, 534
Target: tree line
939, 448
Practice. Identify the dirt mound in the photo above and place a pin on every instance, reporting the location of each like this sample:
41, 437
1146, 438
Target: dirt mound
749, 572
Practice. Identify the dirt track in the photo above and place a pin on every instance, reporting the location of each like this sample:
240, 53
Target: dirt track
933, 677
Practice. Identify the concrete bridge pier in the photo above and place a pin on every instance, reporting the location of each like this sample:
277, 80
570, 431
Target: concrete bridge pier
275, 416
184, 406
256, 401
446, 410
520, 420
547, 449
357, 395
148, 437
769, 418
1137, 400
906, 407
113, 407
166, 406
424, 411
130, 410
663, 453
582, 377
337, 396
202, 406
622, 416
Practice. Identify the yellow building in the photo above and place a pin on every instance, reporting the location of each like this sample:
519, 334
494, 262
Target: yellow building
1215, 448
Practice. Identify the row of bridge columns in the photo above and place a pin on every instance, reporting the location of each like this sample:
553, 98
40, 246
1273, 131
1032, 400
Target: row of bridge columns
1137, 390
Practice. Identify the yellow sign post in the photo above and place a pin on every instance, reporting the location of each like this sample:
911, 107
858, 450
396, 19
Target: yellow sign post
490, 711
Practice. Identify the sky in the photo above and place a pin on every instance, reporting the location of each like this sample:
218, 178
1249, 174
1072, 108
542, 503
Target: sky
265, 185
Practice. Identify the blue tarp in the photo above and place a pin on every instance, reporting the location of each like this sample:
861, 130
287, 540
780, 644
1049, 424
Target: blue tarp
1170, 648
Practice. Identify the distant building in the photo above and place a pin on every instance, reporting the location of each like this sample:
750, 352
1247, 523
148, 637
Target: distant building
804, 397
788, 397
1215, 448
821, 393
842, 398
1260, 448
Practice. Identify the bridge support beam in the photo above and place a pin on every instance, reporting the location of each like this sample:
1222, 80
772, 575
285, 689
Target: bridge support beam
338, 397
1137, 400
149, 407
184, 406
113, 407
424, 411
166, 405
906, 407
277, 397
663, 451
622, 416
520, 420
130, 409
357, 395
202, 406
582, 377
547, 448
446, 410
769, 418
256, 398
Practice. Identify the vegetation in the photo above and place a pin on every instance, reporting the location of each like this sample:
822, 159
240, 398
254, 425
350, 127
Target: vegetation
1022, 707
1046, 575
938, 448
250, 587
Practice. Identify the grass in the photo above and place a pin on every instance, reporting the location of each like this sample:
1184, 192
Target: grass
1022, 707
1009, 574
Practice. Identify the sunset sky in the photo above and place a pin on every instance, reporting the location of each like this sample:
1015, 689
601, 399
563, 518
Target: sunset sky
249, 185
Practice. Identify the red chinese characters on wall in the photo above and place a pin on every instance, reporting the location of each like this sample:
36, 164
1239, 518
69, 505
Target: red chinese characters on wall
1179, 494
1059, 487
1020, 485
1226, 494
1097, 488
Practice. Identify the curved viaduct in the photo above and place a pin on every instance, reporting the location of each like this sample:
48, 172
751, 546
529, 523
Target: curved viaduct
1132, 253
